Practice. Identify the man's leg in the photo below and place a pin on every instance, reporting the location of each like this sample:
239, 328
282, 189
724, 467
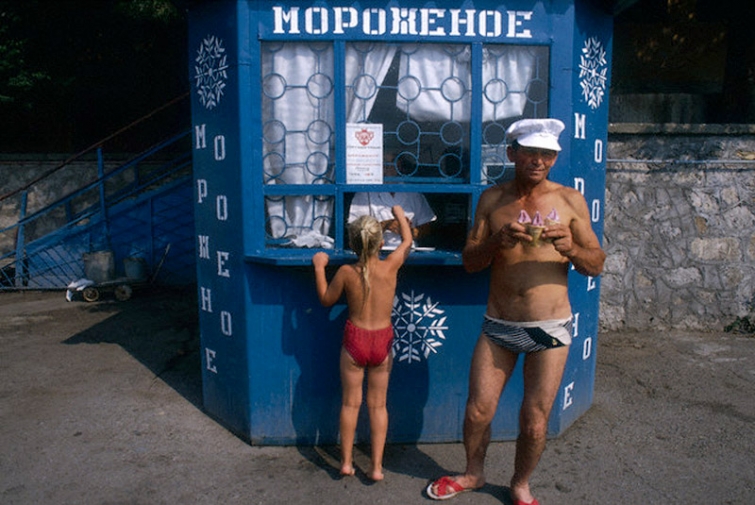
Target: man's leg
542, 377
490, 370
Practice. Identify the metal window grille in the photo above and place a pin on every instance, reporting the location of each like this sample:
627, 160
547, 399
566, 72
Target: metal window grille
442, 107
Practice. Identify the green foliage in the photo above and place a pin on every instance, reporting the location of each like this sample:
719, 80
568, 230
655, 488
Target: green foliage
74, 71
16, 77
741, 325
158, 10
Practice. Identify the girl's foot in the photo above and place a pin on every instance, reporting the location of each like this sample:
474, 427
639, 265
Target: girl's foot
347, 470
376, 475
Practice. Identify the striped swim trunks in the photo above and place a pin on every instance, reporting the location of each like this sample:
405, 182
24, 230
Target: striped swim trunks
518, 336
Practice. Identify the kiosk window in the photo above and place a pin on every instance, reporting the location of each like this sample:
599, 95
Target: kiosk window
298, 132
421, 95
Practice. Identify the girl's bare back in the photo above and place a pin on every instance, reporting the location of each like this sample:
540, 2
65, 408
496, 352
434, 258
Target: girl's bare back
371, 302
372, 312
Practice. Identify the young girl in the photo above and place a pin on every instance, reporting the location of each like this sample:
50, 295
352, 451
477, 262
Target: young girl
370, 285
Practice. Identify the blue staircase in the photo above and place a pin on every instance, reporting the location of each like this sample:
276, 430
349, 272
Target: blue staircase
137, 208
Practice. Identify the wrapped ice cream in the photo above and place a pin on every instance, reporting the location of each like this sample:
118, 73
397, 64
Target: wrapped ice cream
536, 224
552, 217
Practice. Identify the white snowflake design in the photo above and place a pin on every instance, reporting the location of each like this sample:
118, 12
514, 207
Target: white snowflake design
418, 327
210, 71
593, 70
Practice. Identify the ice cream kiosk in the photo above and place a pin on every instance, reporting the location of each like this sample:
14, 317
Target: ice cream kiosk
298, 106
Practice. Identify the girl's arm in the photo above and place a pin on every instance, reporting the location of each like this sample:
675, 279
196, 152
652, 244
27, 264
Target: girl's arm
407, 239
328, 294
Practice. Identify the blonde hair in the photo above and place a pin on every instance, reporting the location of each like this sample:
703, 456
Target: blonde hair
365, 239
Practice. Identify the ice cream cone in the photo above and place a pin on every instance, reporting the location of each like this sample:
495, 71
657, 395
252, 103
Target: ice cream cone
535, 229
535, 232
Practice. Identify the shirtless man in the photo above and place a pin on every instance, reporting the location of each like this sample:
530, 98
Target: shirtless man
528, 309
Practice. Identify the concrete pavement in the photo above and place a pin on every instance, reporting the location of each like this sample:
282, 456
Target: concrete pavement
101, 404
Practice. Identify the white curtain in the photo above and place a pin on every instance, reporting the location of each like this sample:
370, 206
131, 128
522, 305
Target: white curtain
298, 115
434, 82
364, 72
300, 156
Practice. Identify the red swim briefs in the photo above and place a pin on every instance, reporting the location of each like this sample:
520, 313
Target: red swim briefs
367, 347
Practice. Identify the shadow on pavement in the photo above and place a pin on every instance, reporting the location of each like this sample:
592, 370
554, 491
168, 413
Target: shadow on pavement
158, 328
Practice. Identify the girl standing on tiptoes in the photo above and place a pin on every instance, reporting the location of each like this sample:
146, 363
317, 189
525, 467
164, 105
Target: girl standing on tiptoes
370, 286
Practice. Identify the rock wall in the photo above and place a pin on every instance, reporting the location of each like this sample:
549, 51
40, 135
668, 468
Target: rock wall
18, 171
679, 229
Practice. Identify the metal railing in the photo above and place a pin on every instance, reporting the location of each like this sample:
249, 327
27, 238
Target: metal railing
128, 205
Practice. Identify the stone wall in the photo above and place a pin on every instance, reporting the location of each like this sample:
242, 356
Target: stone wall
679, 230
18, 171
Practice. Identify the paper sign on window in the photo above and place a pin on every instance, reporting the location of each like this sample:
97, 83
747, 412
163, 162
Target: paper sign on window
364, 153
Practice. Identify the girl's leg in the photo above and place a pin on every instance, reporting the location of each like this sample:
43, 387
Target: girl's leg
377, 392
352, 377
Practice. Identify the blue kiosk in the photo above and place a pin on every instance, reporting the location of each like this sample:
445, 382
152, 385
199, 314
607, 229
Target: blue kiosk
297, 106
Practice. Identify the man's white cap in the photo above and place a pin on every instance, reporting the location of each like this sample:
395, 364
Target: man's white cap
539, 133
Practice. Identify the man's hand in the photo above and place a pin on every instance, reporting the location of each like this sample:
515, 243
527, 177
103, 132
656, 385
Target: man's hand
561, 236
393, 225
510, 235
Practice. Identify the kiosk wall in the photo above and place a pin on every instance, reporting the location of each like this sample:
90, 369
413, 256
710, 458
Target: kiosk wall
298, 106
